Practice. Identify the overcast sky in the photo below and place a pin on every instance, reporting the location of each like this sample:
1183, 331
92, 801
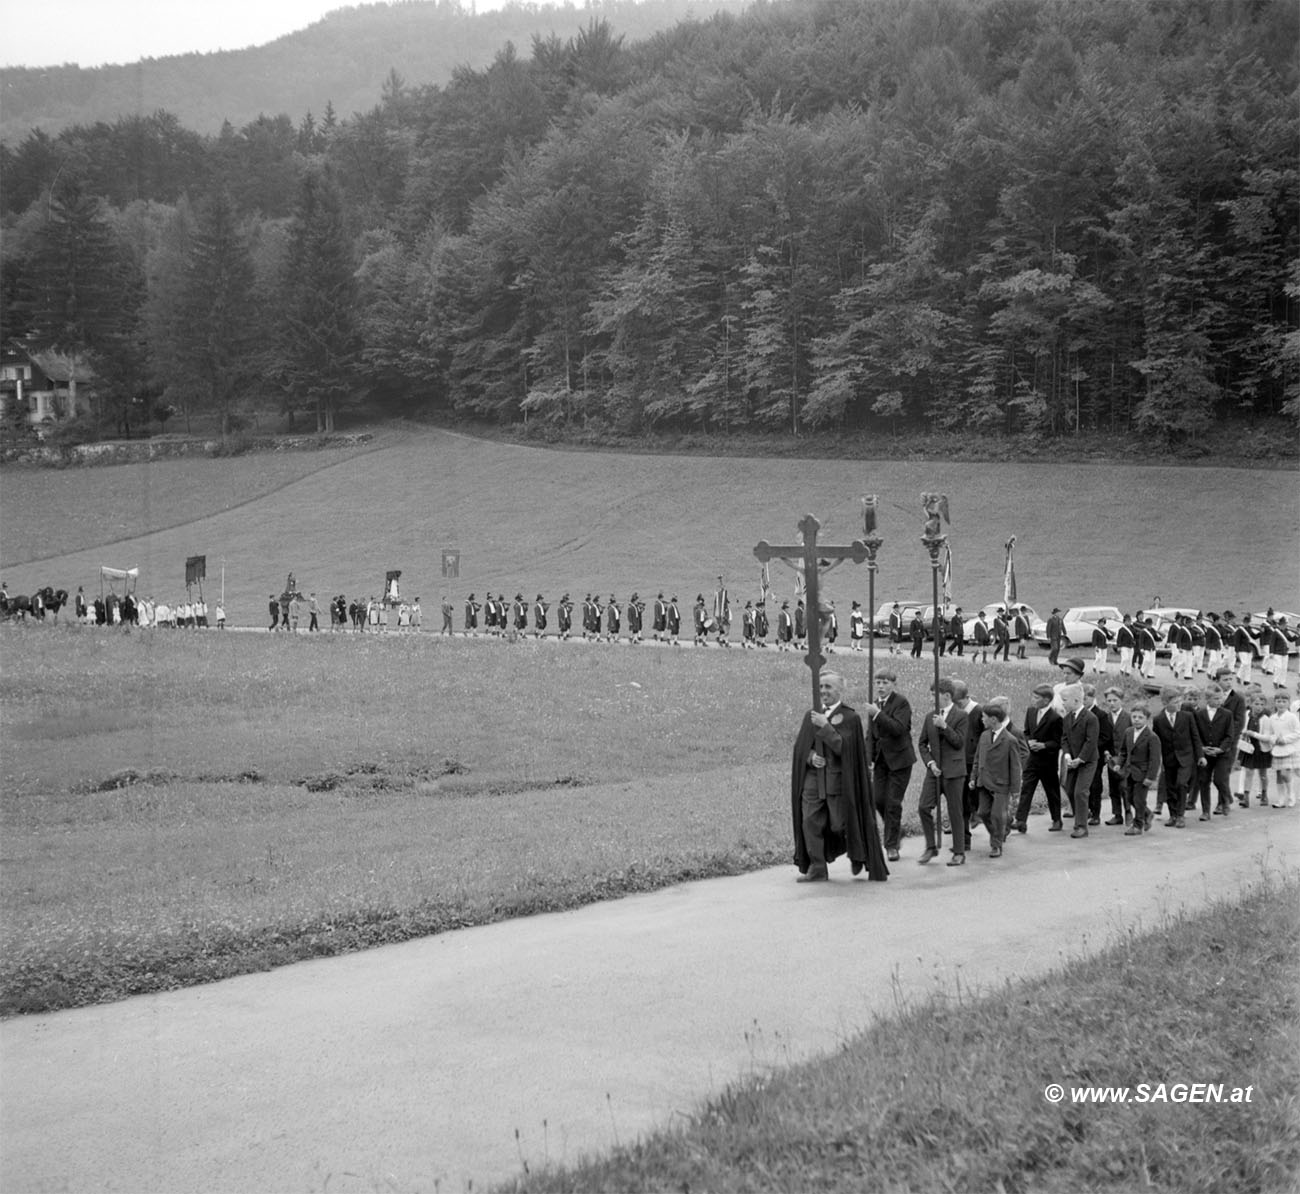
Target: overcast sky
93, 32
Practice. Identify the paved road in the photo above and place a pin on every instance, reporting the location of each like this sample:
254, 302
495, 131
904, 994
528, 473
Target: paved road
439, 1062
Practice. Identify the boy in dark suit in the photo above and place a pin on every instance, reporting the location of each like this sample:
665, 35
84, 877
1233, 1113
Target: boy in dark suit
1078, 755
1180, 751
1120, 813
1139, 764
1218, 732
997, 771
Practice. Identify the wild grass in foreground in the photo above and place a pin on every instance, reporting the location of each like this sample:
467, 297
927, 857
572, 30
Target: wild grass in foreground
950, 1095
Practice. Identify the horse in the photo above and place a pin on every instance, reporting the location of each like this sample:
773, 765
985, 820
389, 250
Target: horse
19, 606
53, 600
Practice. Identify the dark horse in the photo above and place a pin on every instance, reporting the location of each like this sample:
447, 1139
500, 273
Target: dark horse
54, 600
43, 600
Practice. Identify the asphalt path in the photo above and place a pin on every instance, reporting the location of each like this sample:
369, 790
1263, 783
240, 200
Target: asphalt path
450, 1062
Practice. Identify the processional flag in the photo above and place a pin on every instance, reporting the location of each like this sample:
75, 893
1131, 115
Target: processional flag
947, 575
1009, 575
196, 569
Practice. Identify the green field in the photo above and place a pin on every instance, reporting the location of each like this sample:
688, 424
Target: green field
532, 519
182, 806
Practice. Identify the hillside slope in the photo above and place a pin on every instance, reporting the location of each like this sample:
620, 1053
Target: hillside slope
343, 58
531, 519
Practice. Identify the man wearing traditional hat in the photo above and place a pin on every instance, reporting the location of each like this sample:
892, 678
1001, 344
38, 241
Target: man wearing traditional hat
613, 620
1055, 635
674, 618
747, 625
784, 627
1043, 737
722, 613
701, 617
659, 623
540, 609
760, 623
564, 617
1023, 631
635, 611
1125, 643
830, 805
800, 624
1144, 654
1100, 647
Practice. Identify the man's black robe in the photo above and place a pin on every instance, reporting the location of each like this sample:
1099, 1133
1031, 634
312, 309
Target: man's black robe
861, 837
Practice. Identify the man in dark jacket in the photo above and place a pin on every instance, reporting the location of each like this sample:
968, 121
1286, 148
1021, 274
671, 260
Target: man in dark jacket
889, 748
1043, 737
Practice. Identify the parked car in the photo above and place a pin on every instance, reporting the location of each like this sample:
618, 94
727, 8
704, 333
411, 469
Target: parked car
1080, 622
992, 608
1161, 619
880, 623
1291, 630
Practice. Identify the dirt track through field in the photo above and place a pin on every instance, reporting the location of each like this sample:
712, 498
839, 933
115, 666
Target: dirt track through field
456, 1059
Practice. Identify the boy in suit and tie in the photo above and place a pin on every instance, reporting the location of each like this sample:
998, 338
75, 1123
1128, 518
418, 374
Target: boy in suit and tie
1180, 751
943, 752
1043, 738
1078, 754
1218, 730
1120, 813
997, 771
1139, 764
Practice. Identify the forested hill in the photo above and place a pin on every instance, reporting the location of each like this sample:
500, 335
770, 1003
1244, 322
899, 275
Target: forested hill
1028, 217
341, 59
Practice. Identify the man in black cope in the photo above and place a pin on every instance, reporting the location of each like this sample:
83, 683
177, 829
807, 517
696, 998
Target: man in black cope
830, 791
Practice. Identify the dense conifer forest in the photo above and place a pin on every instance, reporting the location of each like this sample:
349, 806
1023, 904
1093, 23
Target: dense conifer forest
1030, 217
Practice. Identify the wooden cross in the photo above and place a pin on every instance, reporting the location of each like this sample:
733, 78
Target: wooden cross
812, 554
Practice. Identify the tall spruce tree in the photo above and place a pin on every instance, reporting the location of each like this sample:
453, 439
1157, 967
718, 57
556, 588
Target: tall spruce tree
318, 344
217, 331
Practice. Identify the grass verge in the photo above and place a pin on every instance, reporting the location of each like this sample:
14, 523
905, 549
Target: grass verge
949, 1095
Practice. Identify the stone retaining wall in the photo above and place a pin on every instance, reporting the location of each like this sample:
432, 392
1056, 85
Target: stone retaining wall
132, 451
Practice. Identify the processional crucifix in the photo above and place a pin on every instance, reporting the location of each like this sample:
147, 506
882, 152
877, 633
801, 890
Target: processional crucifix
810, 556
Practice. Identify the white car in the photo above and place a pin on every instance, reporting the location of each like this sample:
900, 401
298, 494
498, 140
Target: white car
1080, 622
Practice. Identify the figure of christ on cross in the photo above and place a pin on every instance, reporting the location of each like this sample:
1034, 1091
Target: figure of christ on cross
811, 555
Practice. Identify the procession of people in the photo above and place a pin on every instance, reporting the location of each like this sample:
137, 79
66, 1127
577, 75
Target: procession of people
1190, 752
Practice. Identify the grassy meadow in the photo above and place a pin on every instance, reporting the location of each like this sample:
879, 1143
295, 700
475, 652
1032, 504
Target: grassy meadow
529, 519
183, 806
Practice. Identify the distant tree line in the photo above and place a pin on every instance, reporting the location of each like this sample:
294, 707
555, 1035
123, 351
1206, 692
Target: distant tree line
1031, 216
